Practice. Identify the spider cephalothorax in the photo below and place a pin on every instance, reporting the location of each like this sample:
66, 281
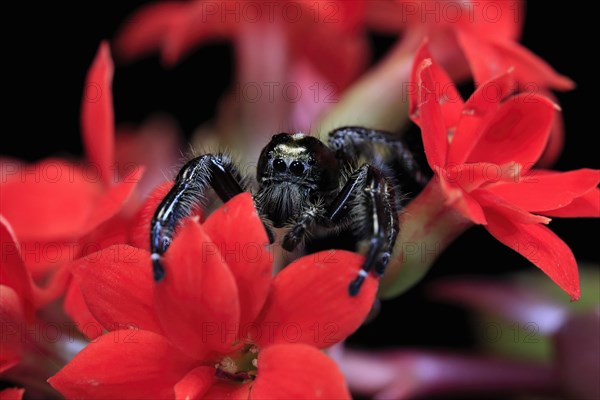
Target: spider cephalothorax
304, 185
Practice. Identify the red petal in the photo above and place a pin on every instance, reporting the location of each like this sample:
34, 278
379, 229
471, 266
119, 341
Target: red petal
97, 119
490, 57
67, 190
289, 371
490, 201
195, 384
470, 177
450, 100
541, 246
229, 391
587, 205
239, 236
13, 325
125, 364
77, 309
113, 199
13, 272
110, 232
428, 114
197, 302
171, 28
338, 51
462, 201
508, 25
145, 29
556, 142
117, 285
517, 132
184, 32
309, 301
12, 394
481, 105
547, 191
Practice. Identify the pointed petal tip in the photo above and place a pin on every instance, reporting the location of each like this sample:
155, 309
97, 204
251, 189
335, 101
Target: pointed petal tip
103, 57
104, 48
575, 293
565, 83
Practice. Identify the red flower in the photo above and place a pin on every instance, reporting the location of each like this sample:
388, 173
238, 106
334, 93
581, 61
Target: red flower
12, 394
293, 58
477, 39
218, 325
486, 32
19, 298
55, 202
327, 35
482, 151
62, 210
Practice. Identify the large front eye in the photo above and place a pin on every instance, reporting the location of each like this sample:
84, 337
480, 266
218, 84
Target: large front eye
279, 165
297, 168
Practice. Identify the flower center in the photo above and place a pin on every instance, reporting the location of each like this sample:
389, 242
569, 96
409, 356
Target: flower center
239, 367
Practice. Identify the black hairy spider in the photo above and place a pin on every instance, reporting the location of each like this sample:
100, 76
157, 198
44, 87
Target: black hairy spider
304, 185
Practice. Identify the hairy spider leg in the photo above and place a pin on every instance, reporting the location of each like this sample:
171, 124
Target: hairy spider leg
354, 142
310, 215
367, 192
191, 182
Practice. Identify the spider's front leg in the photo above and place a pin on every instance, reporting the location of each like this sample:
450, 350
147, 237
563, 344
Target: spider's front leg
368, 200
191, 182
311, 214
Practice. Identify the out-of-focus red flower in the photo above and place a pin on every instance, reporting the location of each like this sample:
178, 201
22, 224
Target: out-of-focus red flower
482, 152
12, 394
293, 58
55, 202
218, 325
19, 298
65, 210
484, 32
330, 36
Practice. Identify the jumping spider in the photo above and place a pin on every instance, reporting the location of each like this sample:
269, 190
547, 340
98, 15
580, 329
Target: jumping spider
303, 185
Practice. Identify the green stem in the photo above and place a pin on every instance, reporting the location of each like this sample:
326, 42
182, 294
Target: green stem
427, 227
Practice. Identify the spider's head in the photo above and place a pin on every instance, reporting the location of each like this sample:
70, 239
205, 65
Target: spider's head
299, 159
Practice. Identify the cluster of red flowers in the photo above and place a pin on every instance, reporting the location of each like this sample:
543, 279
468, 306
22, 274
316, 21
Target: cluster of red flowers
221, 324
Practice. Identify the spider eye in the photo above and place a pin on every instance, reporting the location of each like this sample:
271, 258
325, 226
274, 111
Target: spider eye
297, 168
279, 165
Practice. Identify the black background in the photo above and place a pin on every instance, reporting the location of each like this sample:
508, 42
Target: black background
48, 48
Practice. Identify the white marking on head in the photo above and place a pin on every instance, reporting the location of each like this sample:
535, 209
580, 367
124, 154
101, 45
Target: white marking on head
290, 150
298, 136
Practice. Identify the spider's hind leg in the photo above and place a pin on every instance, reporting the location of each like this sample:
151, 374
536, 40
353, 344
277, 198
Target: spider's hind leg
368, 200
385, 150
188, 191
